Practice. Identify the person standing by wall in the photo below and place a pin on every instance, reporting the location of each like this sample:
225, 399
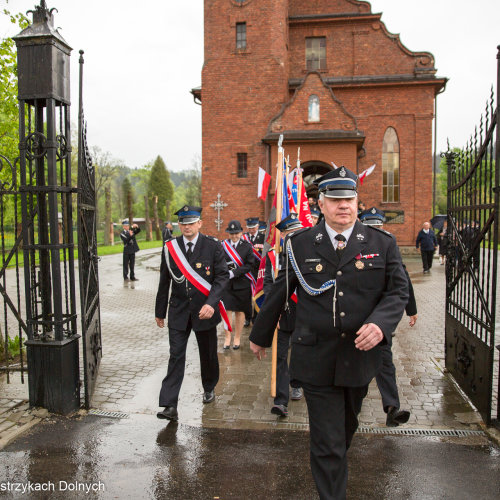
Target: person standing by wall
426, 243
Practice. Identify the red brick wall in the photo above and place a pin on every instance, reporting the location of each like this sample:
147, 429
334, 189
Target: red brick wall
241, 92
244, 96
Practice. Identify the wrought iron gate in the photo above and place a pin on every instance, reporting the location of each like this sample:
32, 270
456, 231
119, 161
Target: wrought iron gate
87, 252
471, 267
12, 324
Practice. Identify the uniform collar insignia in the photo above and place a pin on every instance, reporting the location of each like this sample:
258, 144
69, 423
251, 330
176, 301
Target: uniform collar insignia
360, 236
319, 237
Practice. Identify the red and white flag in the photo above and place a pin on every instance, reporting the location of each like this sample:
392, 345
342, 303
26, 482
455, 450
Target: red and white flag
264, 181
366, 173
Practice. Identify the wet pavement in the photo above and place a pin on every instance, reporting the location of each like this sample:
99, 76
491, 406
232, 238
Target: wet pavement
141, 457
234, 447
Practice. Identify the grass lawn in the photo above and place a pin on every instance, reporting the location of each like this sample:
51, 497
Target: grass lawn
101, 250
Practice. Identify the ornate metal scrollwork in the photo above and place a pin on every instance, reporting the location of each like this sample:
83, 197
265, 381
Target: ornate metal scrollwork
8, 185
62, 147
35, 146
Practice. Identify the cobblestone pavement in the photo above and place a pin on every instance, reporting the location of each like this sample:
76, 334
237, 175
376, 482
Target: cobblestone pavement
135, 357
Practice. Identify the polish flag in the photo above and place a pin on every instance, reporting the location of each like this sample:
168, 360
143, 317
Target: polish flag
366, 173
264, 181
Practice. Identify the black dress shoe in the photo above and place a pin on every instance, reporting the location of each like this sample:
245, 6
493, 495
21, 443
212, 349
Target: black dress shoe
168, 413
280, 410
247, 323
226, 347
208, 396
134, 279
395, 416
236, 347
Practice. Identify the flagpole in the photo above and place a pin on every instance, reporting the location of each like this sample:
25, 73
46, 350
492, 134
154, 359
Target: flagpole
277, 239
299, 185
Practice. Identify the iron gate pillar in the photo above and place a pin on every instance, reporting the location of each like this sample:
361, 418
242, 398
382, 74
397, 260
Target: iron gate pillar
46, 198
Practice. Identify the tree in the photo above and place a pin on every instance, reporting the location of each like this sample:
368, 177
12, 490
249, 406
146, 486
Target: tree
127, 195
193, 183
9, 116
160, 185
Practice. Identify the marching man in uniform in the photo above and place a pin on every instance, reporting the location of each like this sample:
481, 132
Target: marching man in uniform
351, 292
194, 267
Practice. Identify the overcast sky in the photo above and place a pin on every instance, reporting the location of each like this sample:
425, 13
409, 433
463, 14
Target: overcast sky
142, 58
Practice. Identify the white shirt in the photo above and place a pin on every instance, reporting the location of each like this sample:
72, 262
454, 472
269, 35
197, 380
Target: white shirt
332, 233
193, 241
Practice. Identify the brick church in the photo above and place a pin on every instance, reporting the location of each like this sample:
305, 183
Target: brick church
330, 77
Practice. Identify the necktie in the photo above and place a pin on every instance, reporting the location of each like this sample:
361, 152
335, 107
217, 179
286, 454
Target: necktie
340, 245
189, 252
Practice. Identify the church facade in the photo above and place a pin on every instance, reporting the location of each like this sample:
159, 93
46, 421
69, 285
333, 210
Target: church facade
330, 77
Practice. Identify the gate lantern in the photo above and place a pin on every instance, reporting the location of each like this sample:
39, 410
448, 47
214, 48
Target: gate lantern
46, 202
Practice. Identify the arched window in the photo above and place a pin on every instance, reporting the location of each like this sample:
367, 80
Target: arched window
313, 108
390, 167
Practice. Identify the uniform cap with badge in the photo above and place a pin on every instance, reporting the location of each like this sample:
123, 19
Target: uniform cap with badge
252, 222
338, 183
262, 225
290, 222
234, 227
189, 214
372, 217
125, 222
314, 212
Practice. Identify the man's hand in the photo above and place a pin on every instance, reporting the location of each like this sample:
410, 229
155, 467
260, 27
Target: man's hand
160, 322
206, 312
260, 352
413, 319
369, 336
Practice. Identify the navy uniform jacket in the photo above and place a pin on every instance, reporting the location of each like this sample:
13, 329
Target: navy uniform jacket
186, 300
377, 292
129, 243
240, 281
287, 318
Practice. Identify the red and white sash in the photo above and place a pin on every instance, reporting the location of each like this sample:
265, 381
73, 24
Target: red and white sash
255, 251
272, 258
235, 257
194, 278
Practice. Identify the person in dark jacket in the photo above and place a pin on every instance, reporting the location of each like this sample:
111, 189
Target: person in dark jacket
351, 291
442, 239
427, 243
190, 263
386, 378
237, 294
130, 248
286, 323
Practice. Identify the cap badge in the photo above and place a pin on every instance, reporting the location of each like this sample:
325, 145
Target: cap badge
319, 268
342, 172
293, 216
185, 208
373, 211
359, 264
360, 236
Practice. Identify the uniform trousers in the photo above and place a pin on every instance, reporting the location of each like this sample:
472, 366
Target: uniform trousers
209, 362
128, 262
386, 379
427, 256
282, 375
333, 420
